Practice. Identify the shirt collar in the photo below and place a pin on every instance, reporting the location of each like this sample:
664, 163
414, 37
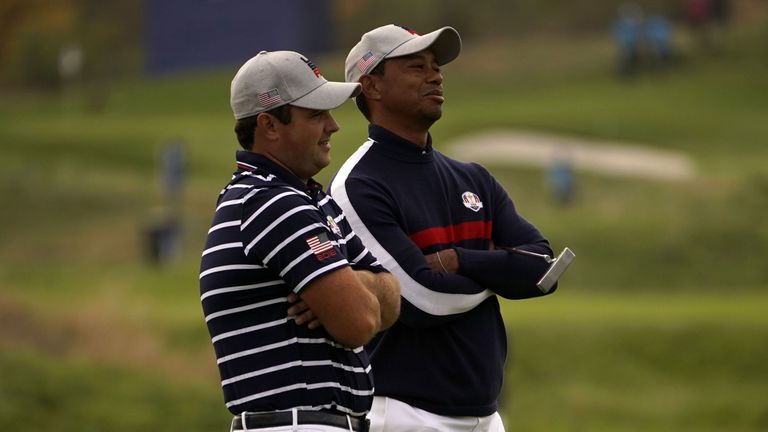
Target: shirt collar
250, 161
399, 146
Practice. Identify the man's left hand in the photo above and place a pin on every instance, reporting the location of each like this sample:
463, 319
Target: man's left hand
447, 262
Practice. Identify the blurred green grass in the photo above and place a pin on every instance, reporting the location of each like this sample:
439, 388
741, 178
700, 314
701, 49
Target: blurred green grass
658, 326
628, 361
76, 395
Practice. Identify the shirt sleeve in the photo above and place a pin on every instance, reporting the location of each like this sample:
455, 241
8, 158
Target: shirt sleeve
428, 298
287, 234
510, 275
359, 257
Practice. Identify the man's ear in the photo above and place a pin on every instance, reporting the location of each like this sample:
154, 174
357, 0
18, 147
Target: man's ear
267, 126
370, 86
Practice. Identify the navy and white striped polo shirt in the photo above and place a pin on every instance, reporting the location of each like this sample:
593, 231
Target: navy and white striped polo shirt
273, 234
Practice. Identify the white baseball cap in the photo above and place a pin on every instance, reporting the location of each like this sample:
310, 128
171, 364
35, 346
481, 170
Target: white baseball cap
396, 41
272, 79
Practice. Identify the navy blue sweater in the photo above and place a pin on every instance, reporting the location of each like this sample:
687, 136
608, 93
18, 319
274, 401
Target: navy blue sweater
446, 354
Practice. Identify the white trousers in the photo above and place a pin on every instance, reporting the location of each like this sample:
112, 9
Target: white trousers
392, 415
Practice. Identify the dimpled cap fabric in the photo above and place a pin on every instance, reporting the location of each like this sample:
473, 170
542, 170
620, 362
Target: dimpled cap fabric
395, 41
272, 79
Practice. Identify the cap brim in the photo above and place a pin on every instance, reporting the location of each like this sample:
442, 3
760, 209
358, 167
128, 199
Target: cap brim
328, 95
444, 43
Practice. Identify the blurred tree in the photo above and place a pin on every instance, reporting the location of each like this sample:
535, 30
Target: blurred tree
33, 34
111, 37
11, 13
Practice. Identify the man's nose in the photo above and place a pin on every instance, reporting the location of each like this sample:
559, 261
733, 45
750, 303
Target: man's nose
331, 125
436, 76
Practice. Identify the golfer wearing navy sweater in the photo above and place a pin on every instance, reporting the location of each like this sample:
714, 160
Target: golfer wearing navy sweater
438, 225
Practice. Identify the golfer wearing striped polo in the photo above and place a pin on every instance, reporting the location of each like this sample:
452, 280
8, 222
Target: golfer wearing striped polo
289, 292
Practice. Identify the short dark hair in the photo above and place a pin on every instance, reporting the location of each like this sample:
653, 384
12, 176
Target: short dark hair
362, 105
244, 127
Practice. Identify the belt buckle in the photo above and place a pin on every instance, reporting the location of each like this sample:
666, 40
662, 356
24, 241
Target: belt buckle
364, 425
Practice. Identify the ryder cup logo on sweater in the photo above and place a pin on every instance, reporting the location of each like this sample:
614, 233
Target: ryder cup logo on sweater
472, 201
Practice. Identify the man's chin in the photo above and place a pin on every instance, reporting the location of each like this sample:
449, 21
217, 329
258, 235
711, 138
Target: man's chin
323, 164
432, 116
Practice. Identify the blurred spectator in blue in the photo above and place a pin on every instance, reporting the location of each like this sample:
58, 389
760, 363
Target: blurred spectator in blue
627, 33
163, 230
658, 36
561, 177
172, 165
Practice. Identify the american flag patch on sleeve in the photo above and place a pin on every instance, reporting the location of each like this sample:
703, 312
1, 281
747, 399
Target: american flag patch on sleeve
321, 246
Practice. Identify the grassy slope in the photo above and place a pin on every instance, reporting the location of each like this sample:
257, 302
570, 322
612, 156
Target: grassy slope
73, 395
638, 362
611, 351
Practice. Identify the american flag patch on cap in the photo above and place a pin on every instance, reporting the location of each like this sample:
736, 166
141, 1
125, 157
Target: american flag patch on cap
366, 60
321, 246
270, 98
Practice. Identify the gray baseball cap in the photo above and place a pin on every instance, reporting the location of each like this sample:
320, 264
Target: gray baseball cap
272, 79
395, 41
